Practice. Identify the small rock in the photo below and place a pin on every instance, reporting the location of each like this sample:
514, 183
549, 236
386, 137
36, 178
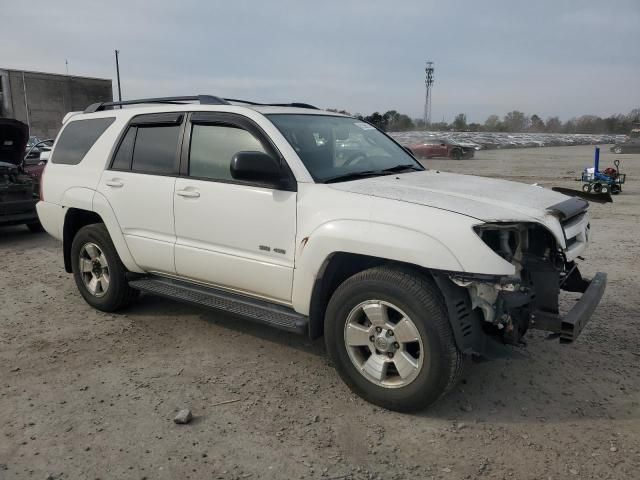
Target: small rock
613, 449
573, 471
17, 369
446, 470
466, 407
183, 417
49, 476
316, 418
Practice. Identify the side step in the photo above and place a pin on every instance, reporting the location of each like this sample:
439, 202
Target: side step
277, 316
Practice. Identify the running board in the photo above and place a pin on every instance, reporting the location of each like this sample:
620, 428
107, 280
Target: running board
261, 311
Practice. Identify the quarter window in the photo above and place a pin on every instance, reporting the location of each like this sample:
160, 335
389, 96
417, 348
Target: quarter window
155, 149
213, 147
122, 160
77, 138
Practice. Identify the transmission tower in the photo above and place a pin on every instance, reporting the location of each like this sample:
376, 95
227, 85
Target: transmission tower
428, 83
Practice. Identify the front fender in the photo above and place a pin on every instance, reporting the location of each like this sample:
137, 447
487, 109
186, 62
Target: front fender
379, 240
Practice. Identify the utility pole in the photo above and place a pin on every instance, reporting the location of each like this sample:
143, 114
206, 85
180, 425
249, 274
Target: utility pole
66, 64
428, 82
118, 75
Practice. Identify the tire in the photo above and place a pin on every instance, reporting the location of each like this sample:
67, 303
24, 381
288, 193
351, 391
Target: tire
402, 294
604, 188
586, 188
616, 189
35, 227
617, 149
597, 187
456, 154
116, 294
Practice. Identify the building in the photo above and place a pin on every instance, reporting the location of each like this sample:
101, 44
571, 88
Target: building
41, 100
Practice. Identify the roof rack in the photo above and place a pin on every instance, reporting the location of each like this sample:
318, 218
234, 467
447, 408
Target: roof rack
294, 104
202, 99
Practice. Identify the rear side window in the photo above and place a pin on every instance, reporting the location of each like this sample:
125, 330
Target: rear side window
77, 138
156, 149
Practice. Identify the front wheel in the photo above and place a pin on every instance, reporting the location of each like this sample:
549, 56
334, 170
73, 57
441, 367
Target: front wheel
98, 271
388, 334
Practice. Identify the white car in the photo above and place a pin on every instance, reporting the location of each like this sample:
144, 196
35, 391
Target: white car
318, 223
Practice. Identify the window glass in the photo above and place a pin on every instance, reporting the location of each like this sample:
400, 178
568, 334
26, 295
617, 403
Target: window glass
122, 160
213, 147
77, 138
155, 150
334, 148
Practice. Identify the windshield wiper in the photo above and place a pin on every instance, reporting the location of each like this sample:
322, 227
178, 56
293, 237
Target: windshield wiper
345, 177
400, 168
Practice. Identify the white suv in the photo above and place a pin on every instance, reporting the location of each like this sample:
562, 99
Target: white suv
317, 223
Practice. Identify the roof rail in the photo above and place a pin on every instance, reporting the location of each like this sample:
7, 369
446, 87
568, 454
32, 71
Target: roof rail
294, 104
203, 99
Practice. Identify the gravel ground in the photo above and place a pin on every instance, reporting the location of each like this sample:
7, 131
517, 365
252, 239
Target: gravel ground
87, 395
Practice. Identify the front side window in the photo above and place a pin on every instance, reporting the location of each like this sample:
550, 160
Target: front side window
342, 148
155, 150
213, 147
77, 138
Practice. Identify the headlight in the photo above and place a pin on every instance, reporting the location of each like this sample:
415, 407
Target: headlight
502, 238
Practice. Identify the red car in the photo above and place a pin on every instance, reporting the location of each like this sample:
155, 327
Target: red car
442, 148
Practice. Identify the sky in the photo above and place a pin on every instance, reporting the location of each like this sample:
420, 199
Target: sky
551, 58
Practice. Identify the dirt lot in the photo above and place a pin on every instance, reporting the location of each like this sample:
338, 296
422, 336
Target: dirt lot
89, 395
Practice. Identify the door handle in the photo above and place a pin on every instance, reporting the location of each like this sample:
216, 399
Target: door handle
188, 193
114, 183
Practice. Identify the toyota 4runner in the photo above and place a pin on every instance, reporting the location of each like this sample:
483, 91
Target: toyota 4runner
259, 210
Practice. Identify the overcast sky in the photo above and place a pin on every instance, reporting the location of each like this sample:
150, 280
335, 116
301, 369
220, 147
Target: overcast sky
564, 58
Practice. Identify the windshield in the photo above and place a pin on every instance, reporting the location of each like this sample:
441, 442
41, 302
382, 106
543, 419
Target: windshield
342, 148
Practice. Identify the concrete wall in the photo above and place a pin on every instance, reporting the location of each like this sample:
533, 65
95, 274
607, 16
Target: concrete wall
41, 100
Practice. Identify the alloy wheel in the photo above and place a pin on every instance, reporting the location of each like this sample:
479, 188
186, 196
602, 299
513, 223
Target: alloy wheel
384, 344
94, 269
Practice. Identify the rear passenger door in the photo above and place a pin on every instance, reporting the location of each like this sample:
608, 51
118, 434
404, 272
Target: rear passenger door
139, 185
232, 234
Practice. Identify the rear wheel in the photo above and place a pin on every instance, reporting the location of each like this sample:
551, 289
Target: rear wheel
98, 271
597, 187
604, 188
456, 154
615, 189
388, 334
617, 149
586, 188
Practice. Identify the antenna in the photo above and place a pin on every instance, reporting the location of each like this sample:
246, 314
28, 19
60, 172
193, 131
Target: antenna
428, 82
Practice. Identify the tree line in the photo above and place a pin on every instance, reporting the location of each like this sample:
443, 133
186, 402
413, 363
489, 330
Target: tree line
514, 121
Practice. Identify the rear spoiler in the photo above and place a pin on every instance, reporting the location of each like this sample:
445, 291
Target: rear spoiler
69, 115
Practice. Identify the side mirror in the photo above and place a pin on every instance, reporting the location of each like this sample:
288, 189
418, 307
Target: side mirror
256, 167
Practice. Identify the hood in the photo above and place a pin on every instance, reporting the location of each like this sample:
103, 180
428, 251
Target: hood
14, 136
487, 199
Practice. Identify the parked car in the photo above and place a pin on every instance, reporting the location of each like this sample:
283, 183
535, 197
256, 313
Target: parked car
34, 164
443, 148
35, 146
259, 210
630, 145
18, 190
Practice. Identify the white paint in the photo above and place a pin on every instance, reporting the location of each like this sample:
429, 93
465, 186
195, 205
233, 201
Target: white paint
214, 232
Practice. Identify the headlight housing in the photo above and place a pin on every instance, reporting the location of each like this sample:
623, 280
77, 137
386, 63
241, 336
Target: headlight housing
502, 238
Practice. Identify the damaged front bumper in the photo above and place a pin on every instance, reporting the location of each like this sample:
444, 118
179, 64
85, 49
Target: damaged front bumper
570, 325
